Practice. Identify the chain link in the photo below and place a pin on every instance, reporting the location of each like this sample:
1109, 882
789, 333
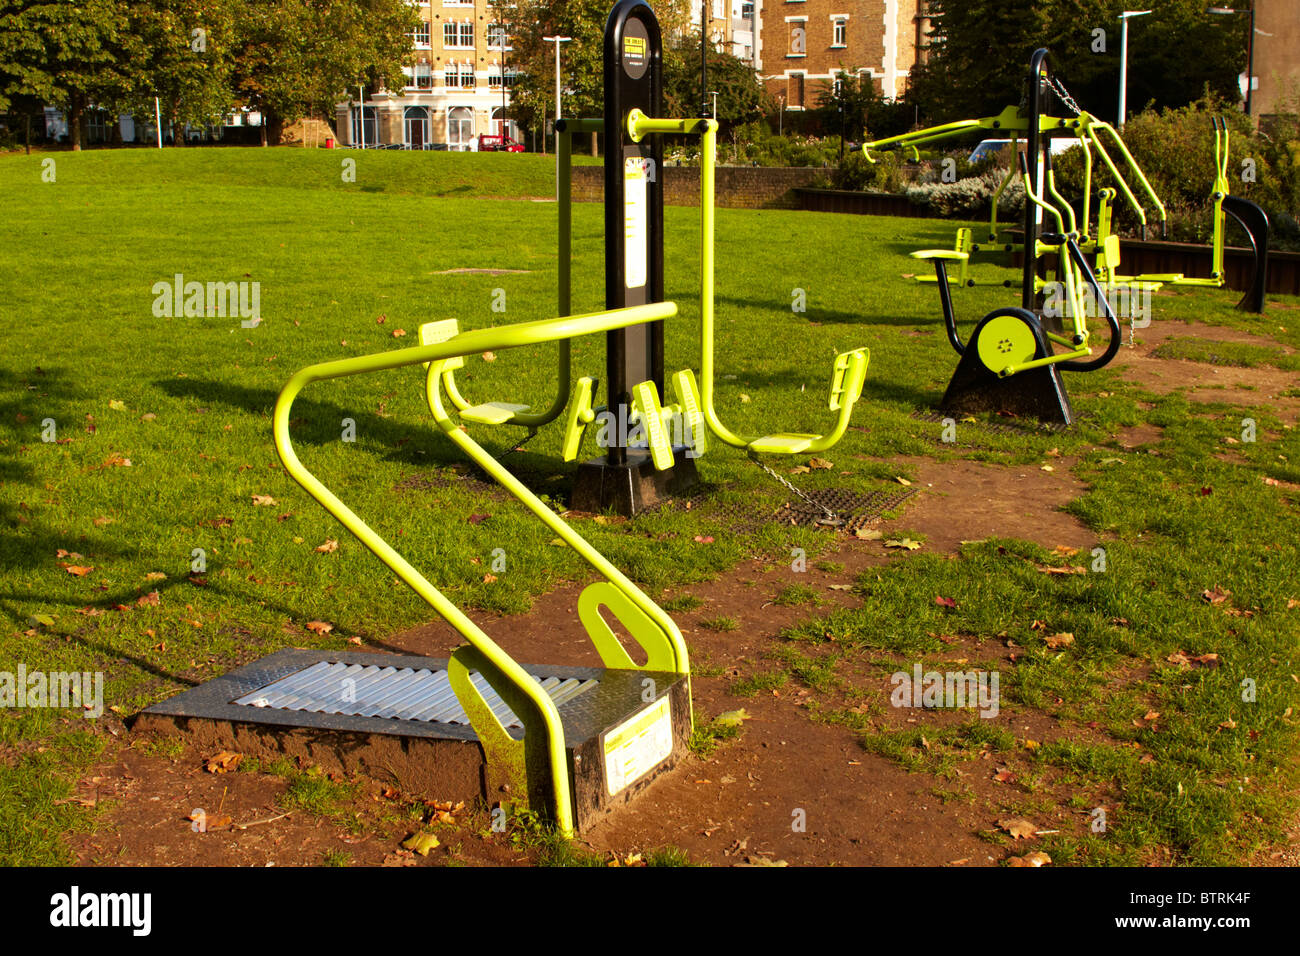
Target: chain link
1063, 94
831, 518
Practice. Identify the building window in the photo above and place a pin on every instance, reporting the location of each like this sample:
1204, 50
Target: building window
458, 3
467, 76
497, 37
460, 127
839, 33
747, 11
423, 76
451, 75
796, 91
420, 38
458, 35
798, 39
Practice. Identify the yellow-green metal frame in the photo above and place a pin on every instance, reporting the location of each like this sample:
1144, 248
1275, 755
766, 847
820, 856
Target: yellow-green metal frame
663, 642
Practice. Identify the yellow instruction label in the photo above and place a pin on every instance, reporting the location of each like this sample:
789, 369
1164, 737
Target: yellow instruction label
634, 749
635, 222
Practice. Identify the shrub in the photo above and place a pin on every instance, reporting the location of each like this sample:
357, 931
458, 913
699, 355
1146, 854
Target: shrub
969, 198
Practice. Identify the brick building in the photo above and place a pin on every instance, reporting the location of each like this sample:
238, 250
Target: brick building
455, 88
803, 44
1276, 84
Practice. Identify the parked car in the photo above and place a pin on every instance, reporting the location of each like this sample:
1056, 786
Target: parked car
991, 147
489, 143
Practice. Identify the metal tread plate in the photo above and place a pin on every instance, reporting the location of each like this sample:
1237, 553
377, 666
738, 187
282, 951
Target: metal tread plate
400, 695
393, 693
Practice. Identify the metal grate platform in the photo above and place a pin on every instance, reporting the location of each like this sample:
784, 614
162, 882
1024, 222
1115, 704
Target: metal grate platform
394, 693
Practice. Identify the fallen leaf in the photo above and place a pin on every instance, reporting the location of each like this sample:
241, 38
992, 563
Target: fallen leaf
800, 470
1217, 596
329, 546
320, 627
1067, 569
1059, 640
704, 539
262, 500
398, 333
148, 600
732, 718
421, 843
381, 319
489, 356
155, 576
1018, 827
1037, 858
840, 587
477, 518
902, 481
77, 569
907, 543
945, 602
819, 463
744, 399
869, 534
1004, 776
1229, 724
100, 522
117, 406
223, 762
489, 578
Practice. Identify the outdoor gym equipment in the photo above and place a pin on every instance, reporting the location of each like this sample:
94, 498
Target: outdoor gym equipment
591, 737
627, 478
1010, 363
1093, 134
1253, 220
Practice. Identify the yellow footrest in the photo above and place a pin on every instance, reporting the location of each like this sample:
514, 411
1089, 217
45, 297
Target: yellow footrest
784, 444
492, 413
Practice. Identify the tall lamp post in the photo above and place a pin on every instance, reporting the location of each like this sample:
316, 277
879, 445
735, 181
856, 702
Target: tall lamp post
1123, 61
1250, 46
557, 40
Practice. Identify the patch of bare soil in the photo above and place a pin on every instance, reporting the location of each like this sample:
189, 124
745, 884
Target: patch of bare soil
1201, 382
789, 789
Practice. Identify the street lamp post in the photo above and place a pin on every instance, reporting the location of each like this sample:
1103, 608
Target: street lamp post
1250, 46
557, 40
1123, 60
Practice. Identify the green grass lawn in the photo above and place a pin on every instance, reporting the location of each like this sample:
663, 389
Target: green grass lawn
343, 266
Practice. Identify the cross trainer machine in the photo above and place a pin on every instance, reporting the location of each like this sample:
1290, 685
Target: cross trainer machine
1011, 364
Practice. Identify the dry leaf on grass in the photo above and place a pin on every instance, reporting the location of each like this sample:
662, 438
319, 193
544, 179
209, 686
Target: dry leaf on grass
1018, 827
320, 627
1037, 858
261, 501
223, 762
1059, 640
329, 546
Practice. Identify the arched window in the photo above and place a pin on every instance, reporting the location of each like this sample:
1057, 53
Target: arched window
460, 127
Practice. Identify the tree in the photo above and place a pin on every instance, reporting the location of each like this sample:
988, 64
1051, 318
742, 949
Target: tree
533, 95
741, 98
980, 51
292, 58
187, 61
72, 56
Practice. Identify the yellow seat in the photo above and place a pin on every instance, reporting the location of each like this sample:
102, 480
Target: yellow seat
783, 444
492, 413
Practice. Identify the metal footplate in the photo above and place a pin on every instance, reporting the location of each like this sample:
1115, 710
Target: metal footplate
396, 718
